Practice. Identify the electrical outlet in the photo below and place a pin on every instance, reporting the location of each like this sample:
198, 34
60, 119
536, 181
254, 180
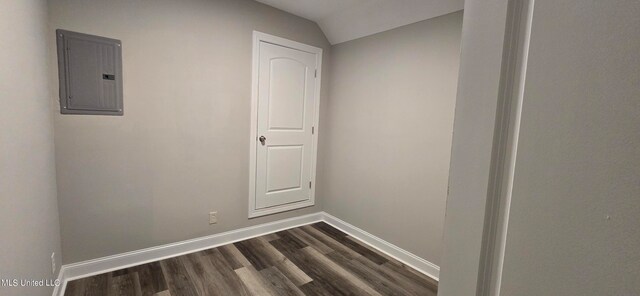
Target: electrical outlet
53, 263
213, 217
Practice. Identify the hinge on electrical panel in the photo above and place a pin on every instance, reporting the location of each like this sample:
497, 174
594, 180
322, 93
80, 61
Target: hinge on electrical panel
315, 74
313, 130
309, 184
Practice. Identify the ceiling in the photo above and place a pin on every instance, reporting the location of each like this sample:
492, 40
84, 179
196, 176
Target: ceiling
344, 20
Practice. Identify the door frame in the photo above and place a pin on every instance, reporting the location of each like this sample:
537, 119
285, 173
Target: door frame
263, 37
494, 58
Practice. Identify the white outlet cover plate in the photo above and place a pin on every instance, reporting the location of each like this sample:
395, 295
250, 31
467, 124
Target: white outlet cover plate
53, 263
213, 217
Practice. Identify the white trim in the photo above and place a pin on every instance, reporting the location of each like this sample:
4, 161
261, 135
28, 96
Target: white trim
504, 220
89, 268
115, 262
59, 289
385, 247
263, 37
507, 133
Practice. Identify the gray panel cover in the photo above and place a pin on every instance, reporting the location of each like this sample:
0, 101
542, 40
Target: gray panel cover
90, 74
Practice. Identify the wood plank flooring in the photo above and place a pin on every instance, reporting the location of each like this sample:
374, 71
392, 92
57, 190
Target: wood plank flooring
314, 259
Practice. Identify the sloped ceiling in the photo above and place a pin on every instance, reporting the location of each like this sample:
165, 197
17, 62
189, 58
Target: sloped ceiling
344, 20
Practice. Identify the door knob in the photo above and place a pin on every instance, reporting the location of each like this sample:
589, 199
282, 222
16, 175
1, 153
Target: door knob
262, 140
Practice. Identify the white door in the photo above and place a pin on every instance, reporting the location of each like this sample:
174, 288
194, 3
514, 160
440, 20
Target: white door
285, 127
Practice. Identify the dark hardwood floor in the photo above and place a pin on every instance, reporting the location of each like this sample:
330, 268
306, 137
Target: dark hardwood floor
315, 259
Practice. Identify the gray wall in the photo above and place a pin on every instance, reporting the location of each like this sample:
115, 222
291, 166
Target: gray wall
387, 137
579, 154
182, 147
573, 225
29, 211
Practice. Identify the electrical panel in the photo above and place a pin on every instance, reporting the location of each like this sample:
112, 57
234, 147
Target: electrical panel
90, 74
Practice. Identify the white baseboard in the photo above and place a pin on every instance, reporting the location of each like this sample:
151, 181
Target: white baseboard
385, 247
59, 289
88, 268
